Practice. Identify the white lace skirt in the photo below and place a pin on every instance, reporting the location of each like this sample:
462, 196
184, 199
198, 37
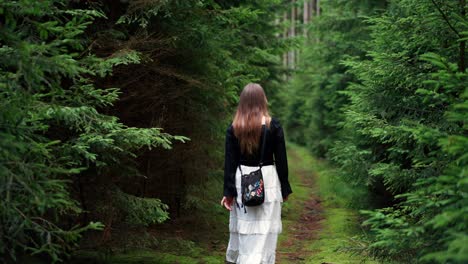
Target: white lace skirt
253, 235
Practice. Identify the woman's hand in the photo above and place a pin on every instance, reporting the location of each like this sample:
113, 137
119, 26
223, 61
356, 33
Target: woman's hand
227, 202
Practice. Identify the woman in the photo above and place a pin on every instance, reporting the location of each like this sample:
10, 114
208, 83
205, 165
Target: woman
254, 230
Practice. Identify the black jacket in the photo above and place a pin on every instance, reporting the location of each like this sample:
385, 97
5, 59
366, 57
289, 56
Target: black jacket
275, 152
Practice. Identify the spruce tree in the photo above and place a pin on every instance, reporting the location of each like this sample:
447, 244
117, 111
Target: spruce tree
52, 127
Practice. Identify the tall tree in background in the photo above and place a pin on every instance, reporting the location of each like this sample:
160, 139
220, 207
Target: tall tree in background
313, 101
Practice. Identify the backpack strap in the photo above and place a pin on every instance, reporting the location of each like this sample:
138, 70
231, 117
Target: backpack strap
263, 145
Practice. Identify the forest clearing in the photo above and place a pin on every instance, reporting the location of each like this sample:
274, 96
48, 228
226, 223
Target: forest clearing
113, 118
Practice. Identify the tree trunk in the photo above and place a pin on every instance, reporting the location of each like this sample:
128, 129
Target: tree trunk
317, 11
311, 9
285, 35
292, 32
305, 17
461, 63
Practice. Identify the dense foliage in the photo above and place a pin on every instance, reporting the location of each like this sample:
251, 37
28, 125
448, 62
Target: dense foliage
391, 113
377, 87
51, 126
85, 86
314, 115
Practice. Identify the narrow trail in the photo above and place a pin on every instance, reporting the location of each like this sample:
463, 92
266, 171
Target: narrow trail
318, 226
302, 226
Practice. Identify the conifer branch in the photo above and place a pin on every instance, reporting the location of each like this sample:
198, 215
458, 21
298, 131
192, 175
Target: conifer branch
444, 16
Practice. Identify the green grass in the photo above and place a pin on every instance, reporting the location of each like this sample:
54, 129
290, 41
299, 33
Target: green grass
146, 257
292, 209
335, 242
337, 239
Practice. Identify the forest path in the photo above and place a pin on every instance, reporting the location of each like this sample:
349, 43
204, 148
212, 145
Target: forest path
317, 226
302, 214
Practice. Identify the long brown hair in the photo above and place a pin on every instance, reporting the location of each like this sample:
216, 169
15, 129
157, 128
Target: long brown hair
253, 105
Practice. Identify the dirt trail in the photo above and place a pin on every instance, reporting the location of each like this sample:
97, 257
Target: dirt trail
302, 228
